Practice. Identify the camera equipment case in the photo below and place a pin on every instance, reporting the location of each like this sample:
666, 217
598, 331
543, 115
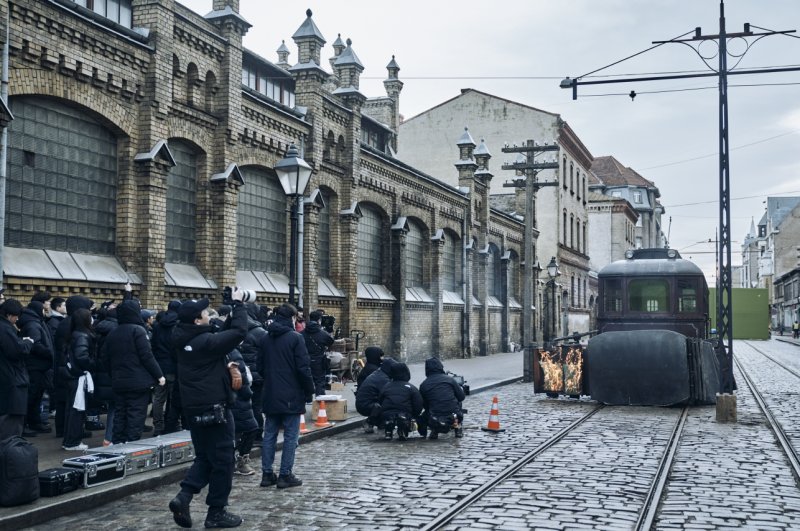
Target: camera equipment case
139, 456
97, 469
174, 448
58, 481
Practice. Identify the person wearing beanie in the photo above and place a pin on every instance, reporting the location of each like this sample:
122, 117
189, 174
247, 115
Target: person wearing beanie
367, 402
400, 401
207, 381
39, 364
13, 376
317, 342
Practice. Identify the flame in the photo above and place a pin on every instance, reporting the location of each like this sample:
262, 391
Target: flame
573, 372
553, 371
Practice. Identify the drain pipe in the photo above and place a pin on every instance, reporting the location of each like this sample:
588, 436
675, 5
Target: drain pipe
3, 147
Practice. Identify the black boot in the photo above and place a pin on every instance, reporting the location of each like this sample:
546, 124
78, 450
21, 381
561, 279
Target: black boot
288, 481
219, 517
269, 479
180, 510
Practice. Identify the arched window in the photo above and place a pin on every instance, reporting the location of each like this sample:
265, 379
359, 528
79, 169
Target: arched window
564, 239
415, 252
584, 188
578, 184
323, 239
340, 150
370, 246
572, 291
330, 146
261, 229
192, 82
578, 235
210, 91
578, 300
571, 178
181, 204
61, 191
451, 263
584, 238
564, 182
514, 289
493, 276
584, 293
571, 231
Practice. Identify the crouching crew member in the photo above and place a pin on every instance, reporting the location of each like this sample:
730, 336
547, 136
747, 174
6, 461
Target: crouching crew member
367, 403
400, 402
442, 398
374, 357
207, 395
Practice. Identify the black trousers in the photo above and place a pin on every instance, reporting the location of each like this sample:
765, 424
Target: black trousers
174, 416
258, 405
130, 414
36, 388
74, 419
318, 373
213, 463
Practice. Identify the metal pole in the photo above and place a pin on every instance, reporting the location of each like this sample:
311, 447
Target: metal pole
3, 148
300, 253
724, 303
293, 252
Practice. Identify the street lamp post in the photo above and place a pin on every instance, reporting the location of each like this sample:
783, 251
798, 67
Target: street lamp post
293, 174
550, 317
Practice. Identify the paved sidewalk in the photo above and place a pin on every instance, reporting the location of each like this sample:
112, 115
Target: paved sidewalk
481, 373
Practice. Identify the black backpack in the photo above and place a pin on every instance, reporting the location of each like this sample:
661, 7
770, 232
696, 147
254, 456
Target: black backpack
19, 472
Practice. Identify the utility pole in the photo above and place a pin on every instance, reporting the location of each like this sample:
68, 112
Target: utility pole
530, 169
724, 303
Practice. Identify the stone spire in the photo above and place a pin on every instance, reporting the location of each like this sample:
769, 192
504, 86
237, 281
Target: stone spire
392, 84
348, 67
338, 48
283, 55
309, 42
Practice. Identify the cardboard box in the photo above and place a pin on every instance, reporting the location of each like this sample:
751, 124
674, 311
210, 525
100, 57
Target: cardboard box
335, 410
337, 386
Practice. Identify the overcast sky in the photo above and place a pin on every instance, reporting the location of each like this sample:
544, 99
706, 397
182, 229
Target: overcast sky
670, 138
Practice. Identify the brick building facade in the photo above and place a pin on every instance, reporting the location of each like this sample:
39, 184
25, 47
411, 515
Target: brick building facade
143, 145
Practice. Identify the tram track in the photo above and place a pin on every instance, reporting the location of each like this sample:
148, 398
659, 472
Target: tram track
650, 506
774, 425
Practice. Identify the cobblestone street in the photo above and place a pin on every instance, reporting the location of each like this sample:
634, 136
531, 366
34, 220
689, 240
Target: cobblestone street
725, 475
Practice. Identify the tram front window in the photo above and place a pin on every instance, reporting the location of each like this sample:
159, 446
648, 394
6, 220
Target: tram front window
687, 296
612, 293
648, 296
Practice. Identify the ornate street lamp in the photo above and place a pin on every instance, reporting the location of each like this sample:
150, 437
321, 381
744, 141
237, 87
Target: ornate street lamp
553, 273
293, 174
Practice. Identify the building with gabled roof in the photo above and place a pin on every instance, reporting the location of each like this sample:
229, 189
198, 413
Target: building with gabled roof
617, 180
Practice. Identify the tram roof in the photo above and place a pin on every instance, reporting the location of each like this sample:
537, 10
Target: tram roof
647, 266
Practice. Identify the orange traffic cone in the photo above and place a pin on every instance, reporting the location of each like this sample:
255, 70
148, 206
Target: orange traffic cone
494, 418
322, 416
303, 428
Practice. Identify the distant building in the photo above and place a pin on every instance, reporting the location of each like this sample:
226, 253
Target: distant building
612, 222
783, 245
561, 218
616, 180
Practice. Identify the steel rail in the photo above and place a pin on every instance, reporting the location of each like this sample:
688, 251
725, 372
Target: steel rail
774, 425
445, 517
650, 509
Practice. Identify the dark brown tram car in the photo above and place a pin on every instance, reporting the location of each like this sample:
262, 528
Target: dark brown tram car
654, 289
652, 347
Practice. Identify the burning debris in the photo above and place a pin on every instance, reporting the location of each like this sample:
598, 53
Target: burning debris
573, 372
553, 371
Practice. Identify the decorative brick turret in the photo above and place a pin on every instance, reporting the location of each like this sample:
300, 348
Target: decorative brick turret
309, 41
283, 56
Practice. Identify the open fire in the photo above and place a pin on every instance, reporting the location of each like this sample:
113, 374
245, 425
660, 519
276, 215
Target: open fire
553, 371
573, 372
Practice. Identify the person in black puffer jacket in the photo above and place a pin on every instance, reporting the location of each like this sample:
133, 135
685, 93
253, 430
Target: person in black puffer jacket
441, 397
39, 363
246, 425
288, 386
61, 340
133, 372
204, 381
165, 415
80, 358
249, 349
400, 402
317, 342
13, 376
374, 357
367, 402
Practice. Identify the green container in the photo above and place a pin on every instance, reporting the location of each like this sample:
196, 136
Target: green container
750, 312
